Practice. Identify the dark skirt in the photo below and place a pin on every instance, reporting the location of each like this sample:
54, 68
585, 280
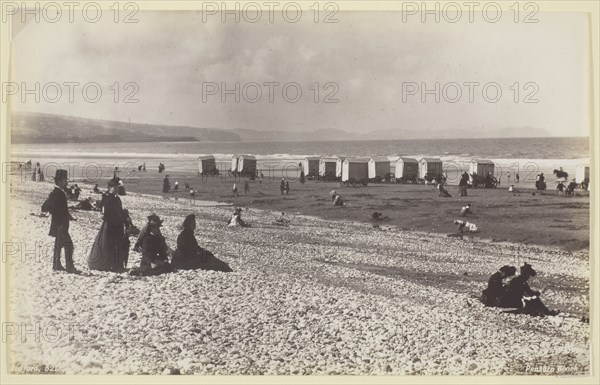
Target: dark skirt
202, 259
110, 250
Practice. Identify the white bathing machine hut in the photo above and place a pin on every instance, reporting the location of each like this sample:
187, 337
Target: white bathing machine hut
246, 165
355, 168
327, 167
430, 167
407, 169
481, 167
206, 165
338, 166
311, 166
379, 166
582, 172
234, 162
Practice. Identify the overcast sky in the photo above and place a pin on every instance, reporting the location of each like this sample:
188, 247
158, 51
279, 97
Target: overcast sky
369, 56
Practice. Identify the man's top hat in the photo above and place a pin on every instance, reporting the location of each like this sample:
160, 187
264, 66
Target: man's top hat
60, 174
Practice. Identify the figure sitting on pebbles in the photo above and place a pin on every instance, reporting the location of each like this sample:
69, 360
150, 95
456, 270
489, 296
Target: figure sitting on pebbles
496, 287
281, 221
189, 255
236, 219
465, 210
462, 225
154, 250
517, 294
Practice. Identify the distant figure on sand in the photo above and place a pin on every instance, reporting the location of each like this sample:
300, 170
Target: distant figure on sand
189, 255
110, 250
97, 190
496, 288
166, 184
561, 188
470, 227
517, 177
236, 219
443, 192
56, 205
192, 196
282, 185
246, 187
570, 190
286, 187
154, 250
465, 210
176, 187
234, 189
302, 177
332, 194
338, 201
462, 184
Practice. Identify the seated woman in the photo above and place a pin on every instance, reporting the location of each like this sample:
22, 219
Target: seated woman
519, 295
236, 219
189, 255
154, 250
496, 287
338, 201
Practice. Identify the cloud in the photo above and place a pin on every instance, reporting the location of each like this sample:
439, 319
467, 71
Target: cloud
368, 55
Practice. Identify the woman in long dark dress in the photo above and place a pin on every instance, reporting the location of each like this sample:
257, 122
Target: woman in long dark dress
111, 247
189, 255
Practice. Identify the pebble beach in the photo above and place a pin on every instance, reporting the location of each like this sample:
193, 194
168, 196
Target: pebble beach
309, 297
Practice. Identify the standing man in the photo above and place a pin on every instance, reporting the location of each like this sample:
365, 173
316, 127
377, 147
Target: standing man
56, 205
246, 187
282, 185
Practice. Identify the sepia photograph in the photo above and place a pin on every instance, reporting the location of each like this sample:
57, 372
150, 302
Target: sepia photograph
299, 191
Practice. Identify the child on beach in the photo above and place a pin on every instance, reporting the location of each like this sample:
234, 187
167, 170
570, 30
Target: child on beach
561, 188
234, 189
462, 225
465, 210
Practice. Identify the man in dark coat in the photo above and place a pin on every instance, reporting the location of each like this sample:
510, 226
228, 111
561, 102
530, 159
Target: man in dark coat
56, 205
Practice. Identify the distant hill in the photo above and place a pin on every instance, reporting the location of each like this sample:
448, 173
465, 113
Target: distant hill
29, 127
248, 135
463, 132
